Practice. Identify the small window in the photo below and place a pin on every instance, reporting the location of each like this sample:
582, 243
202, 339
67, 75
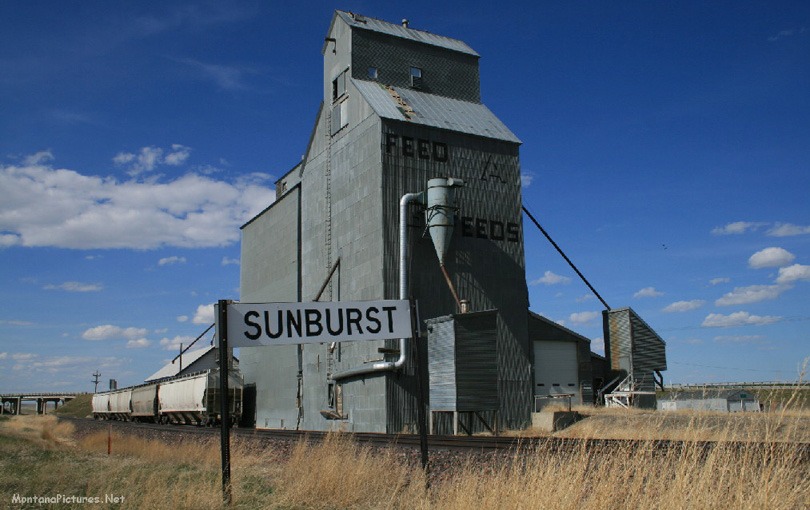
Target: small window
416, 77
340, 116
372, 73
339, 86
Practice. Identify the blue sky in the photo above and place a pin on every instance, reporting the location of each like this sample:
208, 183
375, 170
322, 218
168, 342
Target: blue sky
666, 148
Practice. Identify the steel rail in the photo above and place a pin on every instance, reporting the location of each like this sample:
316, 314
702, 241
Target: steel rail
468, 444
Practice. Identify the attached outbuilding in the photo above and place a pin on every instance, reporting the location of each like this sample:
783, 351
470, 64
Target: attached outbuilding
711, 400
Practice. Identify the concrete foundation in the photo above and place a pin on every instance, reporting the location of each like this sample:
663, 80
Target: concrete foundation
552, 421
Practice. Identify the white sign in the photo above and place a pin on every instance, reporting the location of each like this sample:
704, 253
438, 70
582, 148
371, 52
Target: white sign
255, 324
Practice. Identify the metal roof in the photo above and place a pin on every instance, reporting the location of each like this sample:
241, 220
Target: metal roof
173, 369
376, 25
434, 111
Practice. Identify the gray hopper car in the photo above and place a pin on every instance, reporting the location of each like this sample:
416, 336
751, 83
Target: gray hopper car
190, 399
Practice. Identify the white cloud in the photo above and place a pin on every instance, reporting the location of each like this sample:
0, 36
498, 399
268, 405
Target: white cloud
173, 344
786, 33
76, 287
550, 278
684, 306
67, 363
226, 77
182, 318
738, 227
230, 262
138, 343
771, 257
718, 281
583, 298
526, 179
788, 229
716, 320
583, 317
598, 345
3, 355
109, 332
167, 261
38, 158
178, 156
204, 314
648, 292
44, 206
738, 339
751, 294
7, 240
145, 161
793, 273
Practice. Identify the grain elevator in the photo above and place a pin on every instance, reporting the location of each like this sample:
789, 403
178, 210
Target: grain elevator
401, 114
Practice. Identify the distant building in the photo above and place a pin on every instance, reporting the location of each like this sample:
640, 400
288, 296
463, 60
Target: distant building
711, 400
190, 362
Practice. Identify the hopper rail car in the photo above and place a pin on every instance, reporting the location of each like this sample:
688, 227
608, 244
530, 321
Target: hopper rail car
192, 399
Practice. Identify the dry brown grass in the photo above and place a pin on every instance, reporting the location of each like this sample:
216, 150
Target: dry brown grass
338, 474
784, 426
43, 430
638, 477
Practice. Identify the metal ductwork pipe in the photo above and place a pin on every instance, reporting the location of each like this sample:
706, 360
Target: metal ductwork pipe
407, 199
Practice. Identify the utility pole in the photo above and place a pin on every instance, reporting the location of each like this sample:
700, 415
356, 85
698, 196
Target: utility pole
96, 376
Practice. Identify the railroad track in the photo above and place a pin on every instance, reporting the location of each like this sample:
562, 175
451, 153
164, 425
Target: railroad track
473, 444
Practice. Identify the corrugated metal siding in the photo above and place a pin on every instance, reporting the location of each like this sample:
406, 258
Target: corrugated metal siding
462, 361
621, 343
635, 347
442, 363
488, 272
648, 348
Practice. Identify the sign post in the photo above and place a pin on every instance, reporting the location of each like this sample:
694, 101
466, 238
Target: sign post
420, 388
225, 415
258, 324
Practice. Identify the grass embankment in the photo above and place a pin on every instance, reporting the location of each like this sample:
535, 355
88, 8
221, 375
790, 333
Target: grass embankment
40, 457
79, 407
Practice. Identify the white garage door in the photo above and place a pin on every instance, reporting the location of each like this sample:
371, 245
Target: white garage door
555, 368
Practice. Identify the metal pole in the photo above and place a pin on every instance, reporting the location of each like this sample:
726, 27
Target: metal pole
420, 388
225, 415
564, 256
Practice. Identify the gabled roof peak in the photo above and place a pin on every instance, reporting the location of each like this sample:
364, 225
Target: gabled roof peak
403, 31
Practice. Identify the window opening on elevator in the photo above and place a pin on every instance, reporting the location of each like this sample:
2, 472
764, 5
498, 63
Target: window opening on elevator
416, 77
339, 86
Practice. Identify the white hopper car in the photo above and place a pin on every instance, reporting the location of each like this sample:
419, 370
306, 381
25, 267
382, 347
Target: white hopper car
189, 399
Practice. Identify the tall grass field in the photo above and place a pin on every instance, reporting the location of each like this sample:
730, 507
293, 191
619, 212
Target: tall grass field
44, 465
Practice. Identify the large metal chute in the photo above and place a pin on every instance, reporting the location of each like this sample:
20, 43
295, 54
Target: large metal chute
439, 213
439, 218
